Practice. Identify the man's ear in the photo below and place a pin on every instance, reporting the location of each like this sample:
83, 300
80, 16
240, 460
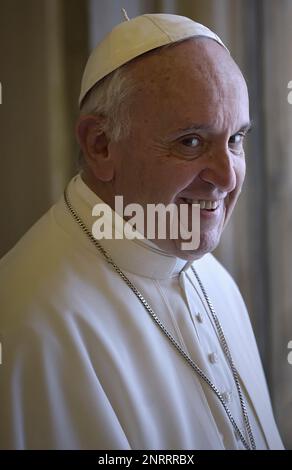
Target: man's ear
94, 145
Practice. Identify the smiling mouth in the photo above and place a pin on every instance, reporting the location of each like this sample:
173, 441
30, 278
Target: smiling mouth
205, 204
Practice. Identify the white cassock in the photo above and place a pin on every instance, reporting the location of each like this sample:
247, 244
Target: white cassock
84, 366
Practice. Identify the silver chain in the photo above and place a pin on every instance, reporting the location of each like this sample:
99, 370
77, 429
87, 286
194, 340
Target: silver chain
194, 366
227, 353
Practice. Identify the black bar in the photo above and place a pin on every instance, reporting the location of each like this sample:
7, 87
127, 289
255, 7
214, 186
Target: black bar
134, 459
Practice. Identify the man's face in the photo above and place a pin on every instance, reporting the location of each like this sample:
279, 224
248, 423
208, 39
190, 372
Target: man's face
189, 116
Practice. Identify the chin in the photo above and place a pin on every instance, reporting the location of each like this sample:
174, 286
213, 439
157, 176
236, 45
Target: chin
208, 243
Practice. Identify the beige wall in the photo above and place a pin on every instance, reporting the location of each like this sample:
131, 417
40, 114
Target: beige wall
43, 47
277, 117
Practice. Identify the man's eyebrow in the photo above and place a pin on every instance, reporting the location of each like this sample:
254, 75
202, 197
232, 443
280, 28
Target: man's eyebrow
196, 127
246, 128
207, 127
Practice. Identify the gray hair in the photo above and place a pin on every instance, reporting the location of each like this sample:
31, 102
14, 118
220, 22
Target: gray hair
107, 99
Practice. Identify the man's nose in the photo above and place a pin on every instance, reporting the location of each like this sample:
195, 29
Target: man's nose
219, 171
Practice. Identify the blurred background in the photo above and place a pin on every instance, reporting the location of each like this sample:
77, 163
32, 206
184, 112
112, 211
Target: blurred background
44, 45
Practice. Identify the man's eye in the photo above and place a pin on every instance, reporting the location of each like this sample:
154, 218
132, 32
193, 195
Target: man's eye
190, 142
236, 139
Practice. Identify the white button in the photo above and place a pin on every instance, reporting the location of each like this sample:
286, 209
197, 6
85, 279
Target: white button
199, 317
213, 358
227, 396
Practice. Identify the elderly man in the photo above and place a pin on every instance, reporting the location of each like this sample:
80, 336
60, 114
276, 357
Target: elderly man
126, 343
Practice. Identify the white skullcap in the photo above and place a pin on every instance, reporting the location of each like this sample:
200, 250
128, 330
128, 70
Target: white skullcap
134, 37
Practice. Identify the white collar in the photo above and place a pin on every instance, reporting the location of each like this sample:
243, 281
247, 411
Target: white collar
140, 257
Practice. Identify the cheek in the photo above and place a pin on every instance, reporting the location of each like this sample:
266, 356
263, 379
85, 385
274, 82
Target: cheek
239, 169
179, 174
242, 168
166, 176
175, 182
240, 174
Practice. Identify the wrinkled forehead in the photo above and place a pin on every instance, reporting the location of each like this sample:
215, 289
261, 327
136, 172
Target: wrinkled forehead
195, 77
196, 58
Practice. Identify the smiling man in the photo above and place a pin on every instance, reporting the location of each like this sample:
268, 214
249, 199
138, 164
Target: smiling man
138, 344
189, 114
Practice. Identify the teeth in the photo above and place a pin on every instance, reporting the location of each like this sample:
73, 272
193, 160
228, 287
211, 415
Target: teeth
203, 204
